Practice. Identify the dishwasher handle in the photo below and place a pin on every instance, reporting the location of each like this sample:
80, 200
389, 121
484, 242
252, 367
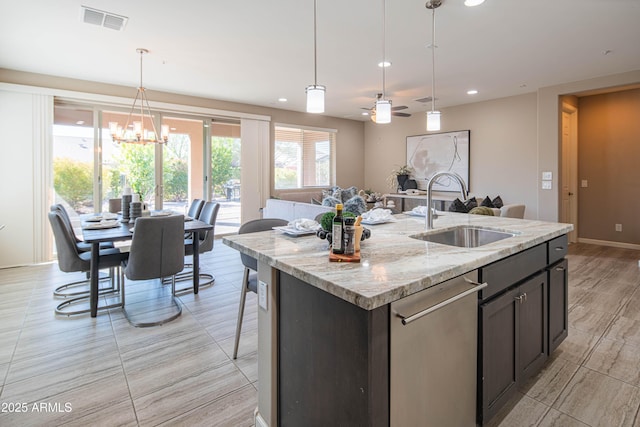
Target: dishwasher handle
416, 316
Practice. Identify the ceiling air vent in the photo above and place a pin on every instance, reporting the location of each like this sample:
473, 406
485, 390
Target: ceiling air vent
102, 18
424, 100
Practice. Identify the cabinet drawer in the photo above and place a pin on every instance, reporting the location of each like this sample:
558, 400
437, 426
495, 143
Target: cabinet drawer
505, 273
557, 248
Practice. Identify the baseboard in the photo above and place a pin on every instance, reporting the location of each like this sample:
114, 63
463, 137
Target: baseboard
260, 422
608, 243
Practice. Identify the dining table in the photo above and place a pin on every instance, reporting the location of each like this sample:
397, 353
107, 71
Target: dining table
123, 231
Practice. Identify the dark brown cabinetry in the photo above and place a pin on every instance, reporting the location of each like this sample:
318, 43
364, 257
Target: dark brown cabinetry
558, 303
513, 339
522, 319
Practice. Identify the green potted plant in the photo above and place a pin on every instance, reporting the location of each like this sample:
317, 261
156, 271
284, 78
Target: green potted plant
399, 176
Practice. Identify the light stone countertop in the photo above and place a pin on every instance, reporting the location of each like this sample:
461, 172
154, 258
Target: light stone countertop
393, 265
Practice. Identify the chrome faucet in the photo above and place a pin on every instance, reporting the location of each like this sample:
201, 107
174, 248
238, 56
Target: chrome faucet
463, 191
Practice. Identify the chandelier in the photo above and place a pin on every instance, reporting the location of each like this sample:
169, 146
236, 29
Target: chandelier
134, 130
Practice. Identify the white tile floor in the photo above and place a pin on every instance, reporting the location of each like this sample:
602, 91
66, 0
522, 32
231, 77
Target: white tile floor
181, 373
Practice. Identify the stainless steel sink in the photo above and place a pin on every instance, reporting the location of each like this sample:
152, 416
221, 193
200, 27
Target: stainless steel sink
463, 236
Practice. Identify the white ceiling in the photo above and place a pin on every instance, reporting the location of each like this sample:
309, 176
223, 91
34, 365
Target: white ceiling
254, 51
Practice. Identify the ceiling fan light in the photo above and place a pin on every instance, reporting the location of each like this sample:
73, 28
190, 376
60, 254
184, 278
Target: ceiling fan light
383, 111
315, 99
433, 120
471, 3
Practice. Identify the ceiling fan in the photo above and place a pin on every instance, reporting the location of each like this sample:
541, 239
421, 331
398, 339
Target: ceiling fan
395, 111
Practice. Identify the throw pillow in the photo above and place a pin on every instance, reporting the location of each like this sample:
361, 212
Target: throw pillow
471, 203
355, 205
328, 192
331, 201
497, 202
345, 194
487, 202
458, 206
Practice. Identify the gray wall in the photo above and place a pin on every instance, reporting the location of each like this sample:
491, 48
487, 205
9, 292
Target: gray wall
503, 147
608, 155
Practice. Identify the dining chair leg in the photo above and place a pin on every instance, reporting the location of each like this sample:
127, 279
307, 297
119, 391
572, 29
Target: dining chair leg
117, 282
243, 297
122, 286
60, 291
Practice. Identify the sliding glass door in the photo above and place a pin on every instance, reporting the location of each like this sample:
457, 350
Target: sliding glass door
201, 159
125, 165
182, 169
73, 154
225, 186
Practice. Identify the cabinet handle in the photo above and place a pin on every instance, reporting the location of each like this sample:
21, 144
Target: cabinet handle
477, 286
525, 296
519, 298
559, 268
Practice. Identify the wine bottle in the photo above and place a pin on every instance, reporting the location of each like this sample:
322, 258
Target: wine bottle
337, 245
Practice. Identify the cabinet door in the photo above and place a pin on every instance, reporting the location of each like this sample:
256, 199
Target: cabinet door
558, 304
532, 328
498, 353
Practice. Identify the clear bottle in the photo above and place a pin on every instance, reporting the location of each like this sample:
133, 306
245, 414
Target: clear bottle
349, 236
337, 231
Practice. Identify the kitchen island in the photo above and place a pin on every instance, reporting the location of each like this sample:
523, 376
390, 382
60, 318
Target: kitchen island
324, 337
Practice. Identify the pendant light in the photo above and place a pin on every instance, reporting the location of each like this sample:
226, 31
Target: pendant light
383, 106
138, 115
315, 92
433, 116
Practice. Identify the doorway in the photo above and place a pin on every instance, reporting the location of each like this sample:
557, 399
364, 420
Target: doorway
569, 184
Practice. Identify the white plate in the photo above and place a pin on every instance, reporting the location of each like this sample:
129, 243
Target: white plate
412, 213
293, 231
101, 225
101, 217
376, 221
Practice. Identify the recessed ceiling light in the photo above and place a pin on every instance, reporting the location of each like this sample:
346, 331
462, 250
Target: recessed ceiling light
364, 113
80, 122
472, 3
384, 64
173, 128
282, 99
472, 92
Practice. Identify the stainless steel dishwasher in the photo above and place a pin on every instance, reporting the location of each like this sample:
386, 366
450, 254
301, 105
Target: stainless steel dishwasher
433, 353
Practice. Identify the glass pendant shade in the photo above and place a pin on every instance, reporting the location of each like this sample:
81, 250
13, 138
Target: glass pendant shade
433, 120
315, 99
383, 111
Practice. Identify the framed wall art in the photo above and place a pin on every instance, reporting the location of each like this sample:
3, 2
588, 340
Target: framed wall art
437, 152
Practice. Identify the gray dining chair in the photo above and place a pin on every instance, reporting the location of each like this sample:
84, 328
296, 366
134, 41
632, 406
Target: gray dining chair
82, 245
71, 260
208, 214
157, 251
194, 212
195, 208
63, 290
250, 275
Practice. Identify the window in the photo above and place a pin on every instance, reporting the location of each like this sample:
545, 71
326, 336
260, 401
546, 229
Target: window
303, 157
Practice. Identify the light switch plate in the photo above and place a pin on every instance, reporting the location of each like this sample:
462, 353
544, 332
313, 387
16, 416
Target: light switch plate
262, 295
547, 176
546, 185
